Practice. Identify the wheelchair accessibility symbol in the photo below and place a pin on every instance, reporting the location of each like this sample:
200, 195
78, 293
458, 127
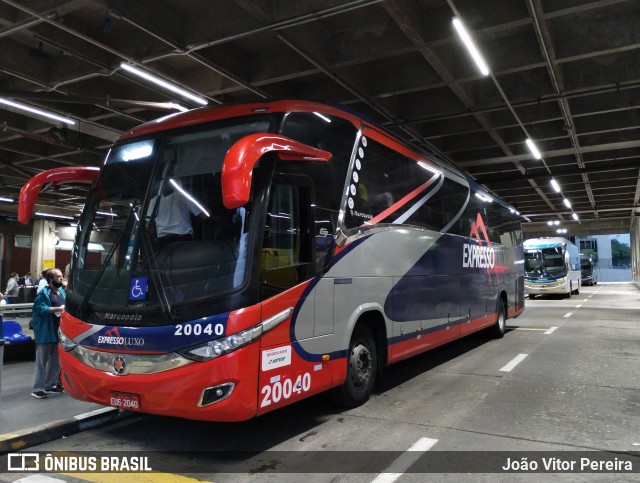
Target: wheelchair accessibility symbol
138, 288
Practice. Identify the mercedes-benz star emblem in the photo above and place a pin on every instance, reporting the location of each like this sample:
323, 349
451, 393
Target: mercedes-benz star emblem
119, 365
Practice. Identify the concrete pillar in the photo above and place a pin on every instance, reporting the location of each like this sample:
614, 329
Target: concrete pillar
635, 249
42, 247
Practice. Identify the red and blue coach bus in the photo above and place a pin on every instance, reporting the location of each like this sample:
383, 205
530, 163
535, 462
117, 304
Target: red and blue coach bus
328, 249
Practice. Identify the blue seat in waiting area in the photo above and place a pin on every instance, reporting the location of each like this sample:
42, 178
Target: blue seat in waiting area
13, 332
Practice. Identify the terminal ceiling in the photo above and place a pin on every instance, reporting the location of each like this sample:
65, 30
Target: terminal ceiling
565, 73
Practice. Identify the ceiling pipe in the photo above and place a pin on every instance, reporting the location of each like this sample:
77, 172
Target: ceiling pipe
101, 101
564, 106
50, 138
17, 27
73, 32
532, 102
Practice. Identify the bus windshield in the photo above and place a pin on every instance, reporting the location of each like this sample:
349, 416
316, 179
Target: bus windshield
545, 262
154, 233
586, 265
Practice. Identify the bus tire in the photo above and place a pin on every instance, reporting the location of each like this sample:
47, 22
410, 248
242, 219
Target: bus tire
498, 329
577, 292
362, 368
568, 295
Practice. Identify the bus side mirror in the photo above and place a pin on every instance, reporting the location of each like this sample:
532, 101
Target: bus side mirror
52, 177
237, 168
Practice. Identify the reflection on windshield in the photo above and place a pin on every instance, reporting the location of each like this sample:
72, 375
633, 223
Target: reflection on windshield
544, 263
158, 214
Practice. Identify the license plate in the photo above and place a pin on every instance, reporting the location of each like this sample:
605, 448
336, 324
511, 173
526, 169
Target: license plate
125, 400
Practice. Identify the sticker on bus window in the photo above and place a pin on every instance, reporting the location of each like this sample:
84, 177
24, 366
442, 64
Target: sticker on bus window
276, 357
138, 288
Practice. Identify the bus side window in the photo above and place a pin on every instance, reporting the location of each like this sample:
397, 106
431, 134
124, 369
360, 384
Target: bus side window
287, 253
325, 222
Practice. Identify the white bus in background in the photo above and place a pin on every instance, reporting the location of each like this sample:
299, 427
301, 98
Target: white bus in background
552, 266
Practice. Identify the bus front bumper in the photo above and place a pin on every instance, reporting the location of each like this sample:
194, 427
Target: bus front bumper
177, 392
542, 288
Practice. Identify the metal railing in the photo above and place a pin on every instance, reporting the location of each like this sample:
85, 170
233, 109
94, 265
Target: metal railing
16, 308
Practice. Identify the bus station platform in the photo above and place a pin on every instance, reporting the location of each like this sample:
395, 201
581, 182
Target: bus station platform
26, 421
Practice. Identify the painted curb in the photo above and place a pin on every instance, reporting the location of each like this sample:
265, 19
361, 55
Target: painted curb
44, 433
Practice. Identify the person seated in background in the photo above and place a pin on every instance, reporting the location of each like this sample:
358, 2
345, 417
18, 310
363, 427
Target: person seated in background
173, 215
26, 280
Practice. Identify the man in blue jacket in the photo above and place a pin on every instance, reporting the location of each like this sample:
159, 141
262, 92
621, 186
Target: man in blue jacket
47, 308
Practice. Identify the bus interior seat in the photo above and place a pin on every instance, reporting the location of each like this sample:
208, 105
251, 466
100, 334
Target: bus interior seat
194, 261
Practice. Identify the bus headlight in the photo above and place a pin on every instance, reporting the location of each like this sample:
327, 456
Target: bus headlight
66, 343
219, 347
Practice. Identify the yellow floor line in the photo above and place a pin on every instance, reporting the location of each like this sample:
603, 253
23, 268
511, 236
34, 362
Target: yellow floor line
115, 477
8, 436
132, 477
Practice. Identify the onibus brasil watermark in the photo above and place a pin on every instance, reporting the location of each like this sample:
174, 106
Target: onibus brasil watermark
51, 462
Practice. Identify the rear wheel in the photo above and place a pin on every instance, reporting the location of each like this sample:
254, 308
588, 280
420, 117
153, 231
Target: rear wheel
362, 368
498, 329
568, 295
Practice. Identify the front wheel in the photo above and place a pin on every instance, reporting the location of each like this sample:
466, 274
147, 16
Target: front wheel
498, 329
362, 368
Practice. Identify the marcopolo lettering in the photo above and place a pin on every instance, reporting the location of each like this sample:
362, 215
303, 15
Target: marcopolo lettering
123, 317
476, 256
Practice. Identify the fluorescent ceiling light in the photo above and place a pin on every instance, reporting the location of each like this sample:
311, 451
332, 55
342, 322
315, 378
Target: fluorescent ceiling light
550, 222
164, 84
555, 185
533, 148
106, 213
51, 215
37, 111
567, 203
6, 200
466, 39
575, 216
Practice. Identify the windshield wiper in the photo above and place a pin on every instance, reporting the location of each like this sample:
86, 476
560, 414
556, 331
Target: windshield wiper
161, 292
94, 284
105, 264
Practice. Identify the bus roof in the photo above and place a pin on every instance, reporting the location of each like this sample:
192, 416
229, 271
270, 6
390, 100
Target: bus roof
215, 113
546, 242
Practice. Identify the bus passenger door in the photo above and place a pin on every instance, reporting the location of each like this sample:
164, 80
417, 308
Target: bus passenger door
287, 265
